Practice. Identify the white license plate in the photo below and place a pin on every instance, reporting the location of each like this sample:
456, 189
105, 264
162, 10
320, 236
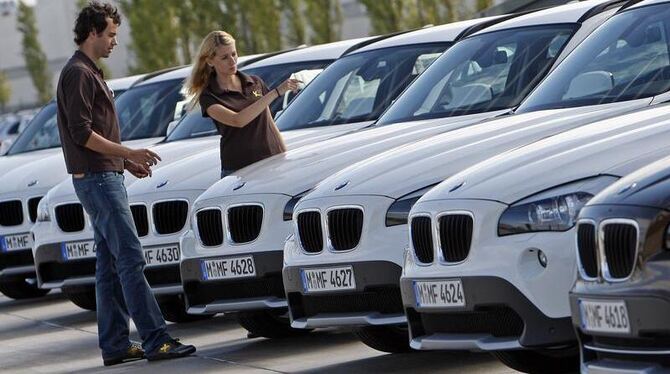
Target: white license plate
228, 268
162, 255
448, 293
16, 242
328, 279
604, 316
78, 250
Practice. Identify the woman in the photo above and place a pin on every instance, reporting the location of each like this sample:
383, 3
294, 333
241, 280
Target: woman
238, 103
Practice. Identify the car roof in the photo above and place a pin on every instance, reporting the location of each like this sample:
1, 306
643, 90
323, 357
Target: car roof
124, 83
441, 33
328, 51
569, 13
643, 3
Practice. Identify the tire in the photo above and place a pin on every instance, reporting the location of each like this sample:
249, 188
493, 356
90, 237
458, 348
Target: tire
83, 297
551, 362
20, 289
391, 339
174, 310
268, 324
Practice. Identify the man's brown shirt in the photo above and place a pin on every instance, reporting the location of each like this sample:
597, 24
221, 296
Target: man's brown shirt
86, 105
242, 146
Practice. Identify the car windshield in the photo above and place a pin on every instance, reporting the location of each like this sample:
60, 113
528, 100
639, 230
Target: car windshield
41, 133
358, 87
194, 125
487, 72
626, 58
146, 110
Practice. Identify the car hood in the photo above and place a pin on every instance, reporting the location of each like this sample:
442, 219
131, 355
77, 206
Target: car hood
649, 186
615, 146
415, 166
301, 169
199, 171
47, 170
9, 162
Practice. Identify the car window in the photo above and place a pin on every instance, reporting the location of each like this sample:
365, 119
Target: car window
41, 132
358, 87
487, 72
627, 58
145, 111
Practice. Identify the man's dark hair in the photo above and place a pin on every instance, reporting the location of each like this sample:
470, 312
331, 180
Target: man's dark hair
94, 17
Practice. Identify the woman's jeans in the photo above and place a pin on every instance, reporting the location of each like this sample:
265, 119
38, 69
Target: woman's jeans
121, 289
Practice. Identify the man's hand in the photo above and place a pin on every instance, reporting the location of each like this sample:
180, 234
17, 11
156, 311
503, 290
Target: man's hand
138, 170
143, 157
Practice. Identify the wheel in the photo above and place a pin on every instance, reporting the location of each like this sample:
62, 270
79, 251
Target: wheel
268, 324
19, 289
391, 339
558, 361
174, 310
83, 297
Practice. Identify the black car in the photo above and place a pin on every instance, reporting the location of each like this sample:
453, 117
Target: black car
621, 301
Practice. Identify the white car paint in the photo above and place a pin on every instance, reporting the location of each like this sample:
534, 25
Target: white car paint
273, 182
586, 159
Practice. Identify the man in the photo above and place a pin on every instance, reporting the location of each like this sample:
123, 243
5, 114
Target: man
90, 135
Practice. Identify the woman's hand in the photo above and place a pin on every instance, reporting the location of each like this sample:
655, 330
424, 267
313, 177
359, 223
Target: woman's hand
288, 85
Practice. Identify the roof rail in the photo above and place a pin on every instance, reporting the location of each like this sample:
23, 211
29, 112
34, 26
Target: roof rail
601, 8
268, 55
629, 4
156, 73
375, 39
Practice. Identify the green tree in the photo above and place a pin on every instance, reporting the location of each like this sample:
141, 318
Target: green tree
325, 20
259, 29
484, 4
196, 19
105, 69
293, 13
385, 16
5, 90
36, 60
153, 31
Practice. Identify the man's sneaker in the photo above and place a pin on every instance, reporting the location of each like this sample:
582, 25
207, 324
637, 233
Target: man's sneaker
170, 349
133, 353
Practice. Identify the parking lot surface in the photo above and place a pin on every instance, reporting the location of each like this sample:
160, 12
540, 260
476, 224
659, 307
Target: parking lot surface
51, 335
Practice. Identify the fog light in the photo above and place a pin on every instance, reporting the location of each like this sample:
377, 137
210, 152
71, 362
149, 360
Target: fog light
542, 258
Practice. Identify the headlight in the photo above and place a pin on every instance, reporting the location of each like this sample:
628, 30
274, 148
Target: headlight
399, 210
557, 213
43, 211
288, 208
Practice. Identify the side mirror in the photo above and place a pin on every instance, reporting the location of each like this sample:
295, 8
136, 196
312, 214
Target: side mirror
590, 83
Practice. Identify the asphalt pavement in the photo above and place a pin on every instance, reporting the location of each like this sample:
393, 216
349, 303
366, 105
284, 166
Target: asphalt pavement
52, 335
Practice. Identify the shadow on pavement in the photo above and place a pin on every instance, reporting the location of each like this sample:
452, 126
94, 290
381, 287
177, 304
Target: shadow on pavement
7, 303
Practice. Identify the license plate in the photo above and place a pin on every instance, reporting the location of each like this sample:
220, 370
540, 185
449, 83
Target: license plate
228, 268
447, 293
78, 250
16, 242
328, 279
604, 316
162, 255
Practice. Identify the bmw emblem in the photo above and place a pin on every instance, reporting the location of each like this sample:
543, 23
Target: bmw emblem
32, 183
162, 184
342, 185
628, 188
240, 185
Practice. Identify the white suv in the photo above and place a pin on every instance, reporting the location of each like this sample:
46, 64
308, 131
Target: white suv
245, 218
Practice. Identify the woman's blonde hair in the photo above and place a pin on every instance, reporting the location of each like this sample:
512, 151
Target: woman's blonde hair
201, 70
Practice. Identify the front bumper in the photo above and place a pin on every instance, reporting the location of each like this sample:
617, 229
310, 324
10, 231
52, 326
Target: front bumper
375, 301
17, 264
263, 291
54, 271
646, 348
496, 316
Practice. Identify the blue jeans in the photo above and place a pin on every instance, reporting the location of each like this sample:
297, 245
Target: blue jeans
121, 289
